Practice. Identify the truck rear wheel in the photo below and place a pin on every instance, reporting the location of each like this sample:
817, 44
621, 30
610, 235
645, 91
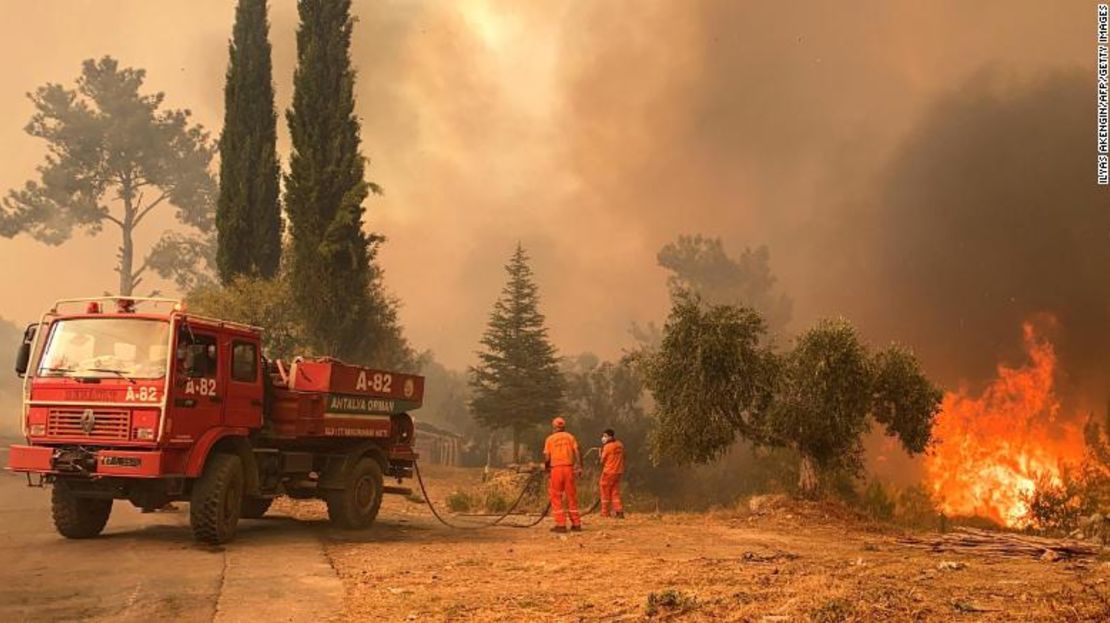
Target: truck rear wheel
217, 500
77, 517
254, 507
356, 505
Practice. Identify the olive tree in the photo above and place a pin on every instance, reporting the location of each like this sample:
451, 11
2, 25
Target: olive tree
714, 380
256, 301
832, 389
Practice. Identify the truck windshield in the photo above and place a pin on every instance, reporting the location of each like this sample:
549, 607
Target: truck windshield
133, 348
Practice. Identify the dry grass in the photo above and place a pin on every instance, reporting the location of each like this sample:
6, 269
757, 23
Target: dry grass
787, 562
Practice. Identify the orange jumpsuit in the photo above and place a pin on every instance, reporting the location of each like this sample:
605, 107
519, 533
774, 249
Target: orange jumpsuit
561, 449
612, 467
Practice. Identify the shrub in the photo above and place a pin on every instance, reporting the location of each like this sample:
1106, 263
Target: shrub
842, 485
834, 611
1057, 506
459, 502
670, 600
915, 507
877, 503
496, 502
912, 507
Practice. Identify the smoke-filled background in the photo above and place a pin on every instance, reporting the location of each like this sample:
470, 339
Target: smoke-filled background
925, 169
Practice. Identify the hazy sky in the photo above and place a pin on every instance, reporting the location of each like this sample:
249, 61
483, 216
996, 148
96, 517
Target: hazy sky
592, 131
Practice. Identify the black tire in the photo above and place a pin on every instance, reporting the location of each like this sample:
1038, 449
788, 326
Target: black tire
356, 505
253, 507
217, 500
77, 517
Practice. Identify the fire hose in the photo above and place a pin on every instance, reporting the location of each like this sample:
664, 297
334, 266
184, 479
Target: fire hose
534, 478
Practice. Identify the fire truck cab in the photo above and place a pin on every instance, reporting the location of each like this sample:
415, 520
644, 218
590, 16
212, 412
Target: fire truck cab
135, 399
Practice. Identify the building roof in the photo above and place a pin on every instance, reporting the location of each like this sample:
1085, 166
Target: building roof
425, 427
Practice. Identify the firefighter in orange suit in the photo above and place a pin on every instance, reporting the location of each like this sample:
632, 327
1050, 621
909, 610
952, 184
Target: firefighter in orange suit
612, 468
564, 464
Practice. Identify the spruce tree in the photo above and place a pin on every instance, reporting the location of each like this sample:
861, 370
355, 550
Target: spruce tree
248, 217
333, 281
517, 383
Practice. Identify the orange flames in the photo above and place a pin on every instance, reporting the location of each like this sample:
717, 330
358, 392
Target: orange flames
992, 448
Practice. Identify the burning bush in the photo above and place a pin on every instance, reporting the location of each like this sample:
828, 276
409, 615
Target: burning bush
1058, 504
993, 447
1076, 499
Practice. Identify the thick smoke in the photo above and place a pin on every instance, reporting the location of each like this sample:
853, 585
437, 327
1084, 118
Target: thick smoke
597, 132
989, 215
937, 188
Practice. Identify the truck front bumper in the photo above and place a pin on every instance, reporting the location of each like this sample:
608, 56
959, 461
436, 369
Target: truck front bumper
92, 463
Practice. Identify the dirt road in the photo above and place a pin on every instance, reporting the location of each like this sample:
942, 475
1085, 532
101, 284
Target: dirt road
725, 566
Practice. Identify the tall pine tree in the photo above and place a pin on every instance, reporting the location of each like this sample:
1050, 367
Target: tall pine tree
114, 155
334, 284
248, 217
517, 384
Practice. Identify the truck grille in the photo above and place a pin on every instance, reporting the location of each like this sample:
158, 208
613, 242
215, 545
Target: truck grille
108, 425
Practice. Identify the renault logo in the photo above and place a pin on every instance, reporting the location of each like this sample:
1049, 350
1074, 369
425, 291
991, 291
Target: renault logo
88, 421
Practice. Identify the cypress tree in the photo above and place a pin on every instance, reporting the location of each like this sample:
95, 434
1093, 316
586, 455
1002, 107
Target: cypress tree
248, 217
517, 383
333, 280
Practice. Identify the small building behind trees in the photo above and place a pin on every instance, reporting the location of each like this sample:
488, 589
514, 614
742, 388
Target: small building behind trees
438, 446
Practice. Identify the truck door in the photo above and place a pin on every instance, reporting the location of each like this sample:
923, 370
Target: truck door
244, 386
197, 393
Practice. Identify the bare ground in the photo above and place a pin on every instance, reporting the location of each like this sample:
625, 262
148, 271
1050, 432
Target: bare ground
801, 563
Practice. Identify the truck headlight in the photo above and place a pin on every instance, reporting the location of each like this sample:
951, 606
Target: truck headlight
37, 430
145, 434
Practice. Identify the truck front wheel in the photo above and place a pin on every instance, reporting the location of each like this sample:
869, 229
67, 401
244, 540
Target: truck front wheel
356, 505
217, 500
77, 517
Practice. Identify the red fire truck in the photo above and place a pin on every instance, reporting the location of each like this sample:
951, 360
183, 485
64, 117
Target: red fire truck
136, 399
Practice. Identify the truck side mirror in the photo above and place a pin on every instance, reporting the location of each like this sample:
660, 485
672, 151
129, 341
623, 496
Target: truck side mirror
23, 355
196, 360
